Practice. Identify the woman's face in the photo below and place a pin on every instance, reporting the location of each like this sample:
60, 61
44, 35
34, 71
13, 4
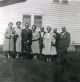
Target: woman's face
33, 28
18, 24
10, 24
48, 29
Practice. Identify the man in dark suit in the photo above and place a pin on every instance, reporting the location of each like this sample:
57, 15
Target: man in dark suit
56, 43
57, 38
63, 44
42, 33
26, 35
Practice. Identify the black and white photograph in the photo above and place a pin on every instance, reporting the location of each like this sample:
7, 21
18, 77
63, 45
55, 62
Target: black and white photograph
39, 40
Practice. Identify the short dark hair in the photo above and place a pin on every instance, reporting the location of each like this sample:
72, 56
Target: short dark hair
63, 27
42, 28
48, 27
27, 24
34, 26
18, 22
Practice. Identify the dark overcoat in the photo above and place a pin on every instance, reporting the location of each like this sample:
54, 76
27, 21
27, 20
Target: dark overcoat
41, 40
57, 40
64, 40
26, 36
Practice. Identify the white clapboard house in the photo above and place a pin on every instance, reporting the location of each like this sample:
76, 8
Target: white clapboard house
54, 13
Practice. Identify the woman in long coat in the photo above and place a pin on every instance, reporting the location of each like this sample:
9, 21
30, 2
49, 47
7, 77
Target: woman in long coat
8, 47
35, 42
18, 38
49, 49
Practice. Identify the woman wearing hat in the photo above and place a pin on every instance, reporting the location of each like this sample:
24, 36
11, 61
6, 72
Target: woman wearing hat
18, 38
49, 41
8, 47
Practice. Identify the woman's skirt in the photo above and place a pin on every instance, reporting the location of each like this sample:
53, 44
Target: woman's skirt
35, 47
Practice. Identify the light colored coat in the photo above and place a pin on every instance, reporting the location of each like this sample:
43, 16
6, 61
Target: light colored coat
35, 43
48, 48
18, 40
9, 40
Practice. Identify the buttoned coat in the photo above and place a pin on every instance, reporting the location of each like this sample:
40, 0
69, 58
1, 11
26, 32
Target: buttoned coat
48, 48
35, 43
64, 40
9, 39
26, 36
18, 39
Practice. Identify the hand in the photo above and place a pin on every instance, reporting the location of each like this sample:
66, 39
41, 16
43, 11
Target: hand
16, 35
12, 35
24, 42
28, 41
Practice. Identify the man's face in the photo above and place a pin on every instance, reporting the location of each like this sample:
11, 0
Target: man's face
33, 28
55, 30
42, 29
26, 26
63, 29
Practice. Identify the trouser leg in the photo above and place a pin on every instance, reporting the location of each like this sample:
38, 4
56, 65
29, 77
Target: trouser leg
54, 58
62, 56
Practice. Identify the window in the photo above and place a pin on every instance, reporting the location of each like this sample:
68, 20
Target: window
26, 19
65, 1
38, 21
61, 1
55, 0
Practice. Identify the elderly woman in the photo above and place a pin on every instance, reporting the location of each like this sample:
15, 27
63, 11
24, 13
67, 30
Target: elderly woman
35, 42
18, 38
9, 40
49, 41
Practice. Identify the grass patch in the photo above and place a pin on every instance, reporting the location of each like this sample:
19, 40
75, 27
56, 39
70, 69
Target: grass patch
20, 70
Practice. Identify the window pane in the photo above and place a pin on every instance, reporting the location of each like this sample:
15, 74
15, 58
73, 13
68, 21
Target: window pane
38, 21
26, 19
55, 0
65, 1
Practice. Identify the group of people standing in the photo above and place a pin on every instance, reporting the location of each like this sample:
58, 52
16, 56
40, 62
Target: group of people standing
30, 43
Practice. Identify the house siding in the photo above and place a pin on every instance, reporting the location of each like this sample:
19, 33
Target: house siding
54, 15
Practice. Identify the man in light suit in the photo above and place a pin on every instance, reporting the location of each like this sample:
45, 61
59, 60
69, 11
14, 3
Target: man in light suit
63, 44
